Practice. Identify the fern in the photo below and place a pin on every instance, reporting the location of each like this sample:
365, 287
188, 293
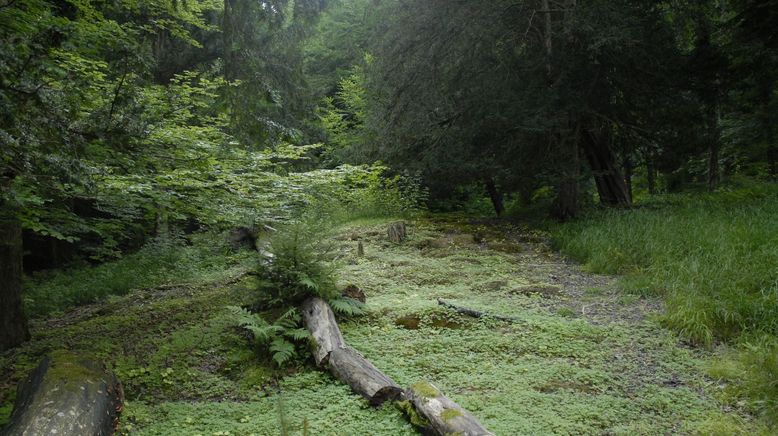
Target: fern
277, 339
282, 350
347, 306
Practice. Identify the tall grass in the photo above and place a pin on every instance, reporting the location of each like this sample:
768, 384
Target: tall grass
713, 256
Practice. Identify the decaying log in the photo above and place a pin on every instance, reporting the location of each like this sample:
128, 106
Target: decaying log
352, 368
442, 416
320, 321
66, 395
344, 362
397, 232
474, 313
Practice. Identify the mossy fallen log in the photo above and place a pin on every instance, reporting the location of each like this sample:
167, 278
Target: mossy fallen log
345, 363
66, 394
438, 414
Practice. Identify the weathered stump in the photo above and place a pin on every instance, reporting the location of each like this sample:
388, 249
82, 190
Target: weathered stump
344, 362
397, 232
66, 395
442, 416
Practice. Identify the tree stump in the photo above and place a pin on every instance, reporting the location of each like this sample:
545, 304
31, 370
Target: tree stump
397, 232
66, 395
442, 416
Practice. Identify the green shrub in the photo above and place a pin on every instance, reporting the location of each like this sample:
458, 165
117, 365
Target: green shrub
300, 262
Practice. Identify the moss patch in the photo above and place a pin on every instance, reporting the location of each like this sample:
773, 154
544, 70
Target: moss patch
425, 389
449, 414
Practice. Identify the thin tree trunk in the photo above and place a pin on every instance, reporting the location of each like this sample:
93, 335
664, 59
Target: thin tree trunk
610, 183
495, 195
567, 203
628, 170
13, 322
772, 157
713, 165
651, 174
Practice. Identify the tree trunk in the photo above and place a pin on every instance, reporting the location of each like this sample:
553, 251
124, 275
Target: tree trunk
66, 395
320, 321
772, 157
13, 323
494, 195
567, 203
441, 415
713, 165
651, 175
610, 183
352, 368
344, 362
628, 169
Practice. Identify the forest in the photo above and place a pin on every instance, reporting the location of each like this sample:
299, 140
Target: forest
388, 217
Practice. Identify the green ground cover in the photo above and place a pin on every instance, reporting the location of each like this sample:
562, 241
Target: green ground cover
577, 359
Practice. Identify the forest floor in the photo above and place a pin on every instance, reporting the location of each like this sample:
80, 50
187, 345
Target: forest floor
581, 357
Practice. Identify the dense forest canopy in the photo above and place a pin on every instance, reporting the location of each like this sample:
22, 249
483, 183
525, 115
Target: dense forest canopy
123, 122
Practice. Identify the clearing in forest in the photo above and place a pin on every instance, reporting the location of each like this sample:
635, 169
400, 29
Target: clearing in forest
579, 357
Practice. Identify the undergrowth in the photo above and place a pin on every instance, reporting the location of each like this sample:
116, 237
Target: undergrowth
712, 257
162, 260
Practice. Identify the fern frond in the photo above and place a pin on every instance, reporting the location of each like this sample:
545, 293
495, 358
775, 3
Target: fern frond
298, 335
347, 306
282, 350
289, 320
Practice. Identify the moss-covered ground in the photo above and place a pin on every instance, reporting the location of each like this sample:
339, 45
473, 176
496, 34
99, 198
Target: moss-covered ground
577, 358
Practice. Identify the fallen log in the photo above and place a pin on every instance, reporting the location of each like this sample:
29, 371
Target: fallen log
441, 415
320, 322
353, 369
344, 362
474, 313
66, 394
437, 413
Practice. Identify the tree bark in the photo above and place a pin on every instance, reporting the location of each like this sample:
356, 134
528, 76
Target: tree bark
628, 172
320, 321
713, 164
610, 183
66, 395
13, 322
567, 203
494, 195
352, 368
443, 416
330, 350
651, 175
